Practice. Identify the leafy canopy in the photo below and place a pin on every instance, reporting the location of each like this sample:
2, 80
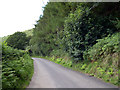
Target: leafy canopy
18, 40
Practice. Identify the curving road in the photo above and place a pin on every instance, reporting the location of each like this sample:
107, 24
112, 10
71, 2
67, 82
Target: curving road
50, 75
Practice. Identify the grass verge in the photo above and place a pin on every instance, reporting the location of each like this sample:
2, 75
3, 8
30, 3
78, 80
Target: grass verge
95, 69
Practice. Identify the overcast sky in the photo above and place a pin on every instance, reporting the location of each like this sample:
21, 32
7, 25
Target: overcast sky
19, 15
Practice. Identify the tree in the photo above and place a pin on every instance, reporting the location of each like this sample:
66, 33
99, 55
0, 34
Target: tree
18, 40
81, 30
48, 29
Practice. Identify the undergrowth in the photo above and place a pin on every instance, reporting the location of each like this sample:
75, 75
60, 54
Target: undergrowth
17, 68
100, 61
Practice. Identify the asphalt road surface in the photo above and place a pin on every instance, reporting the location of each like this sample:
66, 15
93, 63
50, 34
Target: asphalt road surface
47, 74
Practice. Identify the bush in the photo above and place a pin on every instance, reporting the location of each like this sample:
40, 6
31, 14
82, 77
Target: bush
103, 47
83, 29
18, 40
17, 67
104, 58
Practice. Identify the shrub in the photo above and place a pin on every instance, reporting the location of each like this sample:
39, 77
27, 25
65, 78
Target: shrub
104, 58
17, 67
103, 47
18, 40
83, 29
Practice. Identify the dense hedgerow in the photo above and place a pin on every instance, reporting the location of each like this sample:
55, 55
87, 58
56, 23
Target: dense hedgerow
17, 67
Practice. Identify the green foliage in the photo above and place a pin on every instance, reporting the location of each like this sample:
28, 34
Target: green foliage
78, 31
61, 61
72, 27
116, 23
70, 64
59, 53
58, 60
3, 39
83, 66
107, 9
47, 33
17, 67
104, 47
18, 40
105, 57
110, 71
83, 29
29, 32
53, 58
101, 60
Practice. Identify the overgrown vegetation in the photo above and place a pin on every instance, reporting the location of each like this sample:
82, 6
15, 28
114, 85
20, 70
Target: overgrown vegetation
80, 35
18, 40
17, 68
100, 61
84, 30
73, 27
48, 30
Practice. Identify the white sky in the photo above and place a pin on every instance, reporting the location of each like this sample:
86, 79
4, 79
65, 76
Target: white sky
19, 15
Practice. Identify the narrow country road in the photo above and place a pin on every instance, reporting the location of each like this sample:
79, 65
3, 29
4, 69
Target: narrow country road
50, 75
